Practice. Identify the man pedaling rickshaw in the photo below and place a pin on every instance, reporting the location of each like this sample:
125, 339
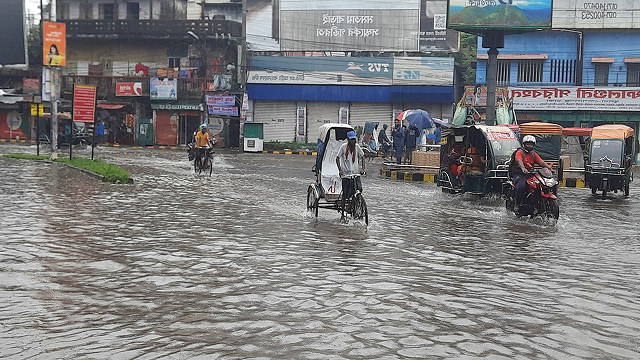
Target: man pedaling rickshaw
522, 162
202, 142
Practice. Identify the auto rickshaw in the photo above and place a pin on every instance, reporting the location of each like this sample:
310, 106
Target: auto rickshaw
474, 159
548, 140
610, 158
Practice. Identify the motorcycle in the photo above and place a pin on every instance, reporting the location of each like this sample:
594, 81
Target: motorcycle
540, 197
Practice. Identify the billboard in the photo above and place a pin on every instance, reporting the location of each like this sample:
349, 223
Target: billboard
499, 14
326, 70
54, 44
128, 89
163, 89
576, 98
614, 14
13, 33
84, 103
434, 35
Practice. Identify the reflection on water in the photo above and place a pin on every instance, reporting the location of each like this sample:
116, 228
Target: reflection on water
185, 266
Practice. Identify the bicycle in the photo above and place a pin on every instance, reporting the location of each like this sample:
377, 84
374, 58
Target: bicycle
355, 205
203, 162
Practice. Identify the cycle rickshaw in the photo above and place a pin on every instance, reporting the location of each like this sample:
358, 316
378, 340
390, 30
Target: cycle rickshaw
326, 191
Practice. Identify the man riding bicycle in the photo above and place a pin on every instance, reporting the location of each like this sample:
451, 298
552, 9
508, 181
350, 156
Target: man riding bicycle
201, 142
350, 161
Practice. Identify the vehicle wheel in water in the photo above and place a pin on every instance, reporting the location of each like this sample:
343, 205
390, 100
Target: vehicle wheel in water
552, 209
312, 201
210, 166
605, 189
195, 165
360, 211
594, 189
626, 189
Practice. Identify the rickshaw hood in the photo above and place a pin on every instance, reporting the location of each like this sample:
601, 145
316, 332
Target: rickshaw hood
611, 131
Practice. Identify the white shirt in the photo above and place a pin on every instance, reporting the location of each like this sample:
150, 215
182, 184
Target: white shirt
348, 166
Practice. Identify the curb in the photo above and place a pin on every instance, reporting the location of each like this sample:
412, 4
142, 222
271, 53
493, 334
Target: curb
88, 172
287, 152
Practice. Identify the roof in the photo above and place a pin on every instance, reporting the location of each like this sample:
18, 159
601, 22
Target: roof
576, 131
515, 56
324, 129
611, 131
540, 128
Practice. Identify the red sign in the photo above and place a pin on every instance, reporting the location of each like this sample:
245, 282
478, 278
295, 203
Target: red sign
211, 86
84, 103
30, 85
128, 89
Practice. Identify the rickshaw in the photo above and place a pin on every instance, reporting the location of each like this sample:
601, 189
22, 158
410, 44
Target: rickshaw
610, 158
475, 159
326, 191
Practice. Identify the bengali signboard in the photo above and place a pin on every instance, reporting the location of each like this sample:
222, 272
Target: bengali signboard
54, 44
221, 100
128, 89
84, 103
163, 89
30, 86
351, 70
499, 14
576, 98
223, 110
585, 14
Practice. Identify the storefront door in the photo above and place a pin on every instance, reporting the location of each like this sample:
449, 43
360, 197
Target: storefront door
188, 125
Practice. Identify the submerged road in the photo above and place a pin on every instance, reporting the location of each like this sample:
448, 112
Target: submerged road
231, 266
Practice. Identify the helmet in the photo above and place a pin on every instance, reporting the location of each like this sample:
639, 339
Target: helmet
351, 135
529, 138
203, 127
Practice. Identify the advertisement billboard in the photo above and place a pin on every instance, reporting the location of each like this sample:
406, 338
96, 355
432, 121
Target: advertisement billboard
54, 44
326, 70
434, 35
223, 110
221, 100
84, 103
499, 14
576, 98
163, 89
13, 33
128, 89
581, 14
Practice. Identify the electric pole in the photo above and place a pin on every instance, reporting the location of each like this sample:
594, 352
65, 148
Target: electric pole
54, 89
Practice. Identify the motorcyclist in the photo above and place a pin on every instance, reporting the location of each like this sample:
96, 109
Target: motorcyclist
202, 141
383, 140
525, 158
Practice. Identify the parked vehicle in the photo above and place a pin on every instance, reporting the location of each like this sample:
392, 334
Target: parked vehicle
474, 159
540, 197
610, 158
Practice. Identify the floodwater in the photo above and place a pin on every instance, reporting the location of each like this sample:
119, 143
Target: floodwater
182, 266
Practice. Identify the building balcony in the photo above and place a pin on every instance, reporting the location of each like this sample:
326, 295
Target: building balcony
165, 29
188, 88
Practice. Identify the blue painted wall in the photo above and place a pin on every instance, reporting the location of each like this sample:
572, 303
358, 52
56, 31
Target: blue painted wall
618, 45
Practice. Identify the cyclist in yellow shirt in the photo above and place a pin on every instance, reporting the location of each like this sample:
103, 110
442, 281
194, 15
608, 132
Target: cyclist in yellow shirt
202, 142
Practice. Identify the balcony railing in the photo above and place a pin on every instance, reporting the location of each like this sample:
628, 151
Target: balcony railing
153, 28
188, 88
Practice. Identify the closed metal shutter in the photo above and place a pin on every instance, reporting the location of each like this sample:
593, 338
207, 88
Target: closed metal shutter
278, 117
361, 113
319, 113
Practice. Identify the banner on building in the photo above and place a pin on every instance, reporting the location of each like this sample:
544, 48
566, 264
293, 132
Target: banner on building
163, 89
30, 86
327, 70
84, 103
576, 98
301, 120
499, 14
581, 14
223, 110
434, 35
221, 100
477, 95
54, 44
128, 89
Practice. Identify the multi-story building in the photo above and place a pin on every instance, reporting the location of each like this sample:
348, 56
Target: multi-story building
119, 45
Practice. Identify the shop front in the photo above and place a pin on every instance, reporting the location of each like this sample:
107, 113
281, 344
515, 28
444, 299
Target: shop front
175, 123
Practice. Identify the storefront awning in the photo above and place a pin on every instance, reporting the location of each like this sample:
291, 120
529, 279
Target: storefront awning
516, 56
602, 60
632, 60
110, 106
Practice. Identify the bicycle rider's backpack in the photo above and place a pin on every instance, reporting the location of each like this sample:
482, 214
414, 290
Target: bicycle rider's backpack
512, 163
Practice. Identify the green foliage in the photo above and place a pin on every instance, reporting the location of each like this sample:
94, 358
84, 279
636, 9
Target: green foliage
110, 172
468, 56
293, 146
34, 46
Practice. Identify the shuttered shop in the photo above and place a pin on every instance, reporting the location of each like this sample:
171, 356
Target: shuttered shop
319, 113
278, 117
360, 113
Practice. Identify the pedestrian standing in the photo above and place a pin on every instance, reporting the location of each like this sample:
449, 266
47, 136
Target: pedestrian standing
397, 134
410, 141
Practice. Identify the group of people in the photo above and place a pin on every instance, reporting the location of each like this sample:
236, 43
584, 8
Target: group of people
405, 140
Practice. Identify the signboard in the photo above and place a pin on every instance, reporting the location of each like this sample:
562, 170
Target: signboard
325, 70
223, 110
163, 89
13, 33
499, 14
221, 100
477, 95
434, 35
54, 44
301, 120
30, 86
245, 101
576, 98
128, 89
40, 109
585, 14
84, 103
344, 115
186, 107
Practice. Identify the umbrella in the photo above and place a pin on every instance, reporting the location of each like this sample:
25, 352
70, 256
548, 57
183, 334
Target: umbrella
440, 122
418, 118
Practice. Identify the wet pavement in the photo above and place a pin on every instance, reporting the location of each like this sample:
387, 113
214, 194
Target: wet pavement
181, 266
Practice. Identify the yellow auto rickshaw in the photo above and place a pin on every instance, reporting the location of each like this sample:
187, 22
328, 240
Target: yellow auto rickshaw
610, 158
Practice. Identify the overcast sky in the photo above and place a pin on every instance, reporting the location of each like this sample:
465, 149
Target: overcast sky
33, 6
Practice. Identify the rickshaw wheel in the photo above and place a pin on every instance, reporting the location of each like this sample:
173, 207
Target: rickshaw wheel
594, 189
605, 189
626, 189
360, 211
312, 201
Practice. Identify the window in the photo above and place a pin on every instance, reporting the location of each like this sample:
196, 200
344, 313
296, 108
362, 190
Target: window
174, 62
504, 72
86, 11
133, 11
633, 74
562, 71
602, 74
529, 71
106, 12
62, 11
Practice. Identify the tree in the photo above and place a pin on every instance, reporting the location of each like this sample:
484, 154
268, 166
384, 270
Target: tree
468, 58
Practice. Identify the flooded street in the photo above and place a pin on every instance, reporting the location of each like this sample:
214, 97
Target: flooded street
232, 266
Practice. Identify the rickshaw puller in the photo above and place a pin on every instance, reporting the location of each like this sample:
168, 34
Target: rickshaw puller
525, 158
201, 141
350, 161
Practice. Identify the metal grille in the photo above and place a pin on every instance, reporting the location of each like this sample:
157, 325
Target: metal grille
602, 75
529, 71
562, 71
504, 72
633, 74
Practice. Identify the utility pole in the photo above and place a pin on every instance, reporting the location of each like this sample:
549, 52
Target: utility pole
242, 73
54, 90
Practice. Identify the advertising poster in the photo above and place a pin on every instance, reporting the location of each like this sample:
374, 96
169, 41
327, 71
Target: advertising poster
223, 110
499, 14
434, 35
477, 95
302, 120
221, 100
30, 86
128, 89
54, 44
84, 103
163, 89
